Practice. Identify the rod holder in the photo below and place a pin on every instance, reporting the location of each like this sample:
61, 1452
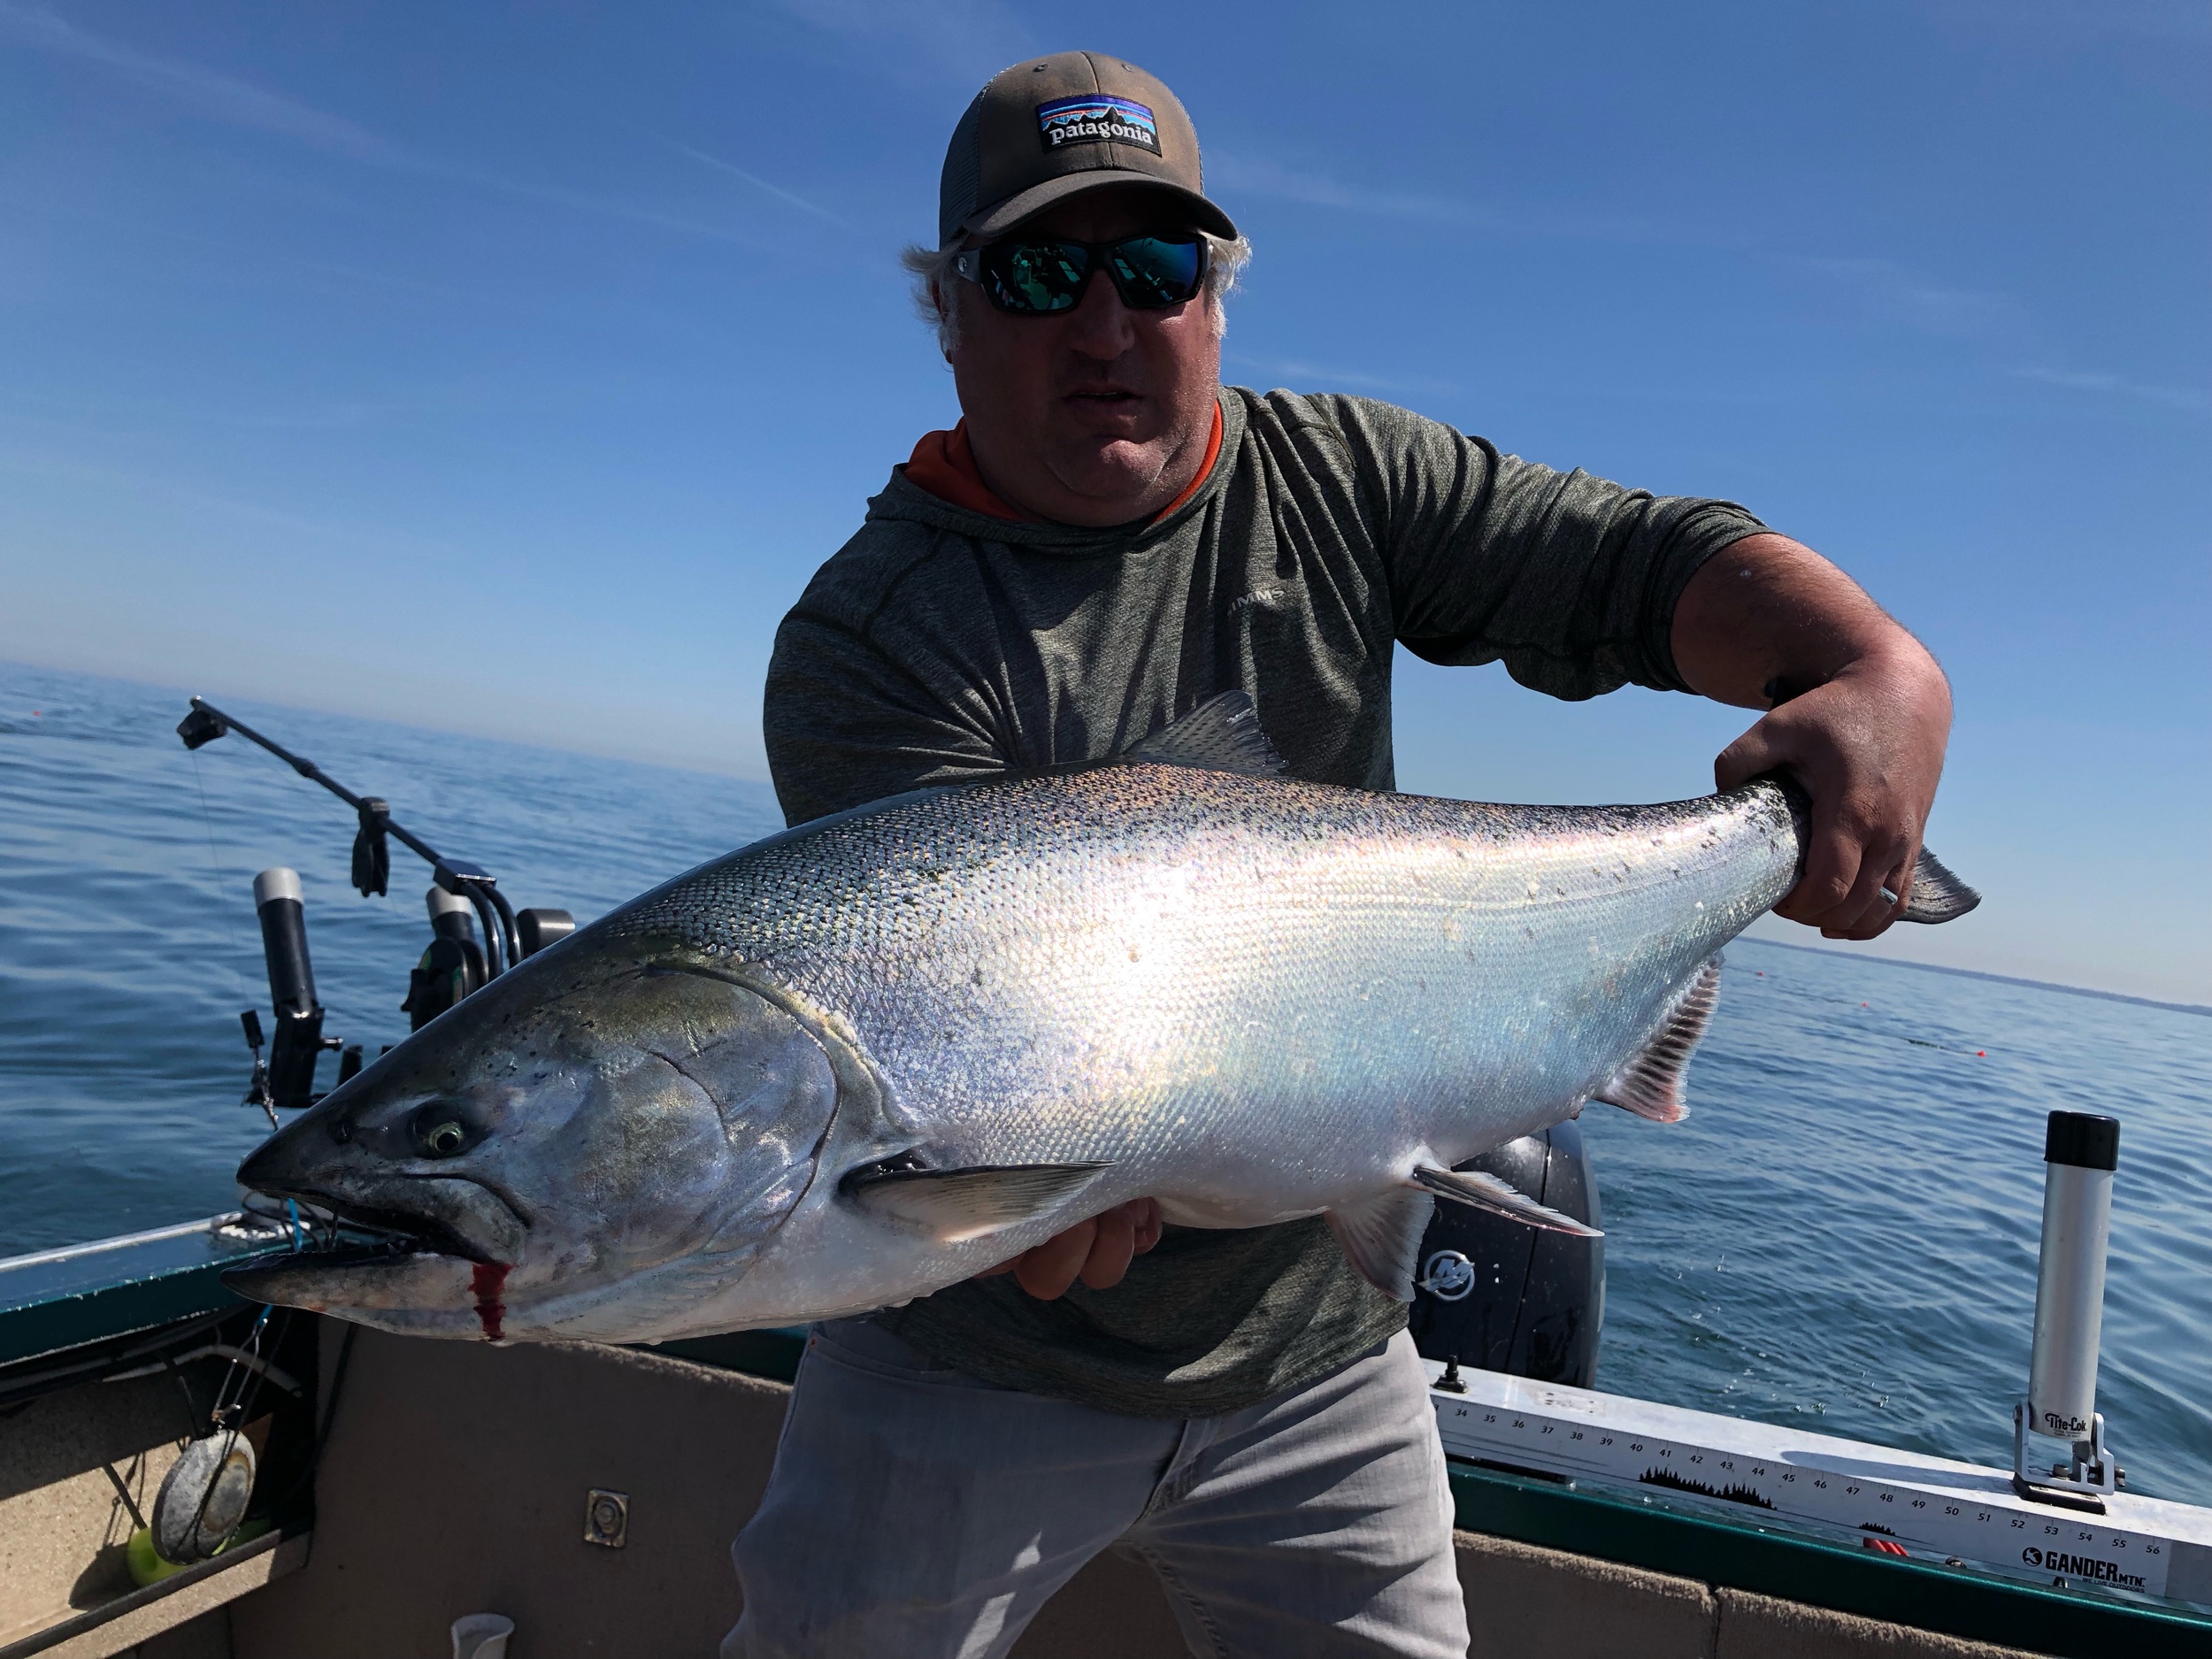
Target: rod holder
2081, 1151
278, 900
451, 916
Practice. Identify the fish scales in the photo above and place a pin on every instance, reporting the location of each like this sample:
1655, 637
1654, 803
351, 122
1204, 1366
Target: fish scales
865, 1058
1077, 954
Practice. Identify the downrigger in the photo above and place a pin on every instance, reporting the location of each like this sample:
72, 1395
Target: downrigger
457, 961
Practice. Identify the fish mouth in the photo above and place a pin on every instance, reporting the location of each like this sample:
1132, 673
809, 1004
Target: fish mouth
384, 1252
383, 1283
400, 1234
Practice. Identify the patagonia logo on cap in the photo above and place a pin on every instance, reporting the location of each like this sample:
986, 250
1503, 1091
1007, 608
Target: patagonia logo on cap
1095, 120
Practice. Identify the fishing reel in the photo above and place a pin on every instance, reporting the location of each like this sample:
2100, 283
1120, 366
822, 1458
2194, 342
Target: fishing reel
455, 963
458, 963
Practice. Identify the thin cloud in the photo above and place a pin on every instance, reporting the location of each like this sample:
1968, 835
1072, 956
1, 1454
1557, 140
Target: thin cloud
557, 195
1895, 293
1254, 177
1316, 377
962, 41
217, 96
1232, 173
1891, 292
234, 102
759, 183
2174, 396
96, 419
190, 497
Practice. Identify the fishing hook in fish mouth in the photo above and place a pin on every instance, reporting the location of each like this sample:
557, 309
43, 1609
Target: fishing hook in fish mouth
403, 1233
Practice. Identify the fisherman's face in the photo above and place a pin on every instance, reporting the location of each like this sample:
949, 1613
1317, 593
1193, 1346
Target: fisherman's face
1095, 416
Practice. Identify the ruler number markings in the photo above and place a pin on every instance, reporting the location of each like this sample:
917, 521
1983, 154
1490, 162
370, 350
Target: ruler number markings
1827, 1495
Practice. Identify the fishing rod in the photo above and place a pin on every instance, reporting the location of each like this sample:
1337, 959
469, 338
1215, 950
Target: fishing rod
371, 858
454, 966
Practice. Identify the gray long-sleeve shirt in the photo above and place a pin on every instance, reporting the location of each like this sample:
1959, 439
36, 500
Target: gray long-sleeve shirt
941, 645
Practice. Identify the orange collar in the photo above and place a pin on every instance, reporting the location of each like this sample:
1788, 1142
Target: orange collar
944, 464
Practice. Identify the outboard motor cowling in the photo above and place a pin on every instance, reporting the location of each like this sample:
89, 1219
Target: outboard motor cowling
1500, 1296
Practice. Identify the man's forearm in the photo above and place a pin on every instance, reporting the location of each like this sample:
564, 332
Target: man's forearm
1767, 618
1860, 716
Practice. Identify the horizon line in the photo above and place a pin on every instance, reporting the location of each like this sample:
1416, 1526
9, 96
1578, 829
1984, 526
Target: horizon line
1979, 973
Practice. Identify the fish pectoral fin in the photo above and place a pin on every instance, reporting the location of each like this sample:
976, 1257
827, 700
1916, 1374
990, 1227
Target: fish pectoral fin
1650, 1084
1937, 894
1382, 1237
953, 1206
1222, 733
1482, 1191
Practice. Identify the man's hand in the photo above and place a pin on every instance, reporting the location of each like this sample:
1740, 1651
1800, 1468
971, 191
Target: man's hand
1862, 717
1097, 1251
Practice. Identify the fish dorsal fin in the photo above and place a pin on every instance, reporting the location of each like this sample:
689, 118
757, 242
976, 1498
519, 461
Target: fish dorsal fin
1222, 733
1484, 1191
953, 1206
1937, 894
1382, 1237
1650, 1084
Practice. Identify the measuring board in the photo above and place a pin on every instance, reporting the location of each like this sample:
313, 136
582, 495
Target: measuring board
1924, 1506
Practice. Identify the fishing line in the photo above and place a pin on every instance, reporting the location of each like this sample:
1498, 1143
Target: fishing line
215, 868
233, 1409
322, 1435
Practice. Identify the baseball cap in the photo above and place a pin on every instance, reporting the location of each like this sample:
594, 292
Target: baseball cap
1043, 131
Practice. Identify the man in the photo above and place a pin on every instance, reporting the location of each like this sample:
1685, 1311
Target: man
1107, 538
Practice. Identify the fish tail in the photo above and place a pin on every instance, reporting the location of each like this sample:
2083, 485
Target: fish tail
1937, 894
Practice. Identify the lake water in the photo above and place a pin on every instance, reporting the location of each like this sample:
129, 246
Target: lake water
1842, 1235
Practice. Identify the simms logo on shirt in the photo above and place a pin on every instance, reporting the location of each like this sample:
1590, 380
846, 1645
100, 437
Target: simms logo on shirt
1092, 120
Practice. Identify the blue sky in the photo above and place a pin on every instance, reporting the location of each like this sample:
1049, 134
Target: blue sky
509, 369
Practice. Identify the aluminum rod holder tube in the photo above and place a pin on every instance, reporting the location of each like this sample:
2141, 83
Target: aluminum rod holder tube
451, 916
278, 900
2080, 1153
298, 1035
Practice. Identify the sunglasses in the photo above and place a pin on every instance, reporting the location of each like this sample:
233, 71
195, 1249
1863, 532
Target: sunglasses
1037, 278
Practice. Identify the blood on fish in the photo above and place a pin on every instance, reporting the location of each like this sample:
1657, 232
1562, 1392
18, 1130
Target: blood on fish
488, 1280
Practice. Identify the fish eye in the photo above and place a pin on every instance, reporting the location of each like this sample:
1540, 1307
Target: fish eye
442, 1130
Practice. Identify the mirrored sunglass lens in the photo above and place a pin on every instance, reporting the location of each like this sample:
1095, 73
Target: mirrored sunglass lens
1156, 273
1040, 276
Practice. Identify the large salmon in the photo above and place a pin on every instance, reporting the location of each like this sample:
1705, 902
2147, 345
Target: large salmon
870, 1056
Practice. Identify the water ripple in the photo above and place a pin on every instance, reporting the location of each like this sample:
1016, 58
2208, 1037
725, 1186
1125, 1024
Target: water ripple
1846, 1226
